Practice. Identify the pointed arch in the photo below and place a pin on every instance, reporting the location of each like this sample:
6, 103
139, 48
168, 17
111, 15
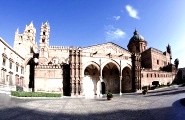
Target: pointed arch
110, 61
93, 63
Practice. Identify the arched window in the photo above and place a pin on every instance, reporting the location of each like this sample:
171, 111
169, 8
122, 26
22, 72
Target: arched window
42, 50
55, 60
43, 40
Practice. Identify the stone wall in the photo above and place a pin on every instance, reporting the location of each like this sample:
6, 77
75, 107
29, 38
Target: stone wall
148, 76
49, 78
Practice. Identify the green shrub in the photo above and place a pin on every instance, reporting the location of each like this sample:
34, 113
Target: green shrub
34, 94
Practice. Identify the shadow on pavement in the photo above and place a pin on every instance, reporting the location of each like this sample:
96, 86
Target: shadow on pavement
18, 113
151, 113
166, 93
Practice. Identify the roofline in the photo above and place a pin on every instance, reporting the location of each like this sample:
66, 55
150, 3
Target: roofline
107, 43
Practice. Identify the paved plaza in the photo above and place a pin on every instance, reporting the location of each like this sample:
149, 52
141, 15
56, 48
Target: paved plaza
157, 105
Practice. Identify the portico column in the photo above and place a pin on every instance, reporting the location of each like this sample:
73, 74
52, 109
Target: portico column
101, 80
120, 78
73, 87
81, 86
101, 86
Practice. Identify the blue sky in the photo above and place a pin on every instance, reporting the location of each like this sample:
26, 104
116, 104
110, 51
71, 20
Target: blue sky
90, 22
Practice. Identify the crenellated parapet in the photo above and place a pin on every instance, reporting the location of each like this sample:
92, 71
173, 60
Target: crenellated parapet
59, 47
48, 67
64, 47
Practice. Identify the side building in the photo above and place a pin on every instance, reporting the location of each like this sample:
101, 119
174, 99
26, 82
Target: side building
152, 64
12, 67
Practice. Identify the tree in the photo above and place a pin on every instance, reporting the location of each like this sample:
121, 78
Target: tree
176, 62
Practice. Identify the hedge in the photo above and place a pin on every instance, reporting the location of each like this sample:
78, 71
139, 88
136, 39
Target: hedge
34, 94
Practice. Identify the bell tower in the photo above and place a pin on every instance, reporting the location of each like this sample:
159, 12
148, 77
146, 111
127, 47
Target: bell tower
44, 43
136, 46
25, 40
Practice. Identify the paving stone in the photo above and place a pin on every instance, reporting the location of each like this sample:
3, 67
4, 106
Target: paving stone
152, 106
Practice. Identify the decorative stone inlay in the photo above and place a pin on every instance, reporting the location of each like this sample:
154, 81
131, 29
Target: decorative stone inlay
106, 49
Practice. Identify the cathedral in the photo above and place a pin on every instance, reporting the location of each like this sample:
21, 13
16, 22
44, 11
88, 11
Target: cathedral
81, 71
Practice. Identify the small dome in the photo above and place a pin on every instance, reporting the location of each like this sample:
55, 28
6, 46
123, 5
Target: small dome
136, 37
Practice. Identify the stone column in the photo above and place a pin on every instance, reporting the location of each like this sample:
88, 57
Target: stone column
73, 88
136, 72
80, 72
79, 87
120, 78
101, 80
76, 84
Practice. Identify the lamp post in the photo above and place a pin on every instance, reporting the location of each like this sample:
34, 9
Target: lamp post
33, 63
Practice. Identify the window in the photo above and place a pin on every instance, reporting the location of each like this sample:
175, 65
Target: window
151, 75
158, 62
4, 50
144, 47
31, 49
2, 76
44, 33
43, 40
22, 70
142, 75
155, 75
10, 65
10, 79
4, 61
147, 75
17, 68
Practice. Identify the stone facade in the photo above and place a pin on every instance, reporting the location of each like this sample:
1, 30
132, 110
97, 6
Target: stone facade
83, 71
12, 67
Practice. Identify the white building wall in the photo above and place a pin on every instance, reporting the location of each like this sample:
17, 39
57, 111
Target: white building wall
12, 56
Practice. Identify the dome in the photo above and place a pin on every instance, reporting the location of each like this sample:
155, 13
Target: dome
136, 37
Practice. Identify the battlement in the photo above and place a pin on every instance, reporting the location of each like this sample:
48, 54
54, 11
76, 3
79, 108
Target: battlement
64, 47
48, 67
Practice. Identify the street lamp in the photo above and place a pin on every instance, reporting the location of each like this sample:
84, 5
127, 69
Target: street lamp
33, 62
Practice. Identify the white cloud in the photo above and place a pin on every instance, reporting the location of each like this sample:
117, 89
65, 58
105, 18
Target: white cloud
113, 33
116, 17
132, 12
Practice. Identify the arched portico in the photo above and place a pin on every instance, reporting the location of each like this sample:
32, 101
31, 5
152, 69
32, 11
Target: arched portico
110, 75
126, 80
90, 80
